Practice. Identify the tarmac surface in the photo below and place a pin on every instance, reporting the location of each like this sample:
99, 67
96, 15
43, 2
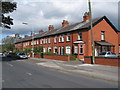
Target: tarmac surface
109, 73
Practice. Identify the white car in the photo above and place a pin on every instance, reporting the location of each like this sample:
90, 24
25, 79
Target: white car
108, 54
22, 55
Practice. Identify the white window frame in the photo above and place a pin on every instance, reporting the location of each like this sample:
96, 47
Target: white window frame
49, 41
49, 49
79, 35
102, 35
68, 35
82, 47
68, 50
62, 38
76, 49
55, 39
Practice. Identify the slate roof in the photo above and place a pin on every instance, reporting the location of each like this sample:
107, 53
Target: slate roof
77, 26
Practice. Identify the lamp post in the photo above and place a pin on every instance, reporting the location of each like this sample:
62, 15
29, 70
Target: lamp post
92, 35
32, 39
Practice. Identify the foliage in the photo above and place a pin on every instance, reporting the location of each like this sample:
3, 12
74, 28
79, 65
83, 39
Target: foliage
38, 50
27, 50
50, 53
7, 7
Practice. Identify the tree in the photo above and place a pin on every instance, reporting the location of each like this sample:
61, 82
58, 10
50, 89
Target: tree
8, 43
6, 8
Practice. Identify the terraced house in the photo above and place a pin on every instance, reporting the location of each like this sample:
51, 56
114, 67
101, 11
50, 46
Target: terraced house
76, 38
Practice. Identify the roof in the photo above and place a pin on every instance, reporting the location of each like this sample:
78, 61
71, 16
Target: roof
77, 26
104, 43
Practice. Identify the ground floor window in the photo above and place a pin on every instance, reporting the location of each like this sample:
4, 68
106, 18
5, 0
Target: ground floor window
56, 50
62, 50
68, 50
81, 49
75, 49
49, 49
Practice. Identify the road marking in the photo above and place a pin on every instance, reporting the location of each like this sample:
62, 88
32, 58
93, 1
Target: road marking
28, 73
10, 64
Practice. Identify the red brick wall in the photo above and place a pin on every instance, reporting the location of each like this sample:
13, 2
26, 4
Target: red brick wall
57, 57
104, 61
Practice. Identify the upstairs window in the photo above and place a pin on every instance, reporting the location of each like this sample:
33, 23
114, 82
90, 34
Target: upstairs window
55, 39
79, 35
49, 40
102, 35
68, 37
62, 38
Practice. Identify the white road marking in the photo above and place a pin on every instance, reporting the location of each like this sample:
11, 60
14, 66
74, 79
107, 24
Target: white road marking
28, 73
10, 64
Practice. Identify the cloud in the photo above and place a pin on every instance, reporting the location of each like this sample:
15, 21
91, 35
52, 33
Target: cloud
41, 13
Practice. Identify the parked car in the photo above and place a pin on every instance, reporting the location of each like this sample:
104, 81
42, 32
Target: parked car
22, 55
108, 54
11, 54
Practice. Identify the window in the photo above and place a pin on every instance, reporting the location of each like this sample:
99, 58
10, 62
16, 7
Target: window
62, 50
49, 40
81, 49
79, 35
102, 35
67, 49
55, 50
55, 39
43, 41
40, 41
37, 42
119, 48
62, 38
49, 49
76, 49
68, 37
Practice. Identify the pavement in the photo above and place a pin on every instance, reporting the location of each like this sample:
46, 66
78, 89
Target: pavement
109, 73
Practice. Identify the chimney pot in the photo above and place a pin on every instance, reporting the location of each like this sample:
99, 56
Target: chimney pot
41, 31
26, 36
86, 16
51, 27
65, 23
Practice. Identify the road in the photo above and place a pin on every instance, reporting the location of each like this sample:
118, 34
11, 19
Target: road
26, 74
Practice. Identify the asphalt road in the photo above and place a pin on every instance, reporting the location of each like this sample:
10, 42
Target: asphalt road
26, 74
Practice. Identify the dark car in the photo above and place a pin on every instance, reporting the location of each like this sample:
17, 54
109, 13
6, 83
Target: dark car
22, 55
11, 55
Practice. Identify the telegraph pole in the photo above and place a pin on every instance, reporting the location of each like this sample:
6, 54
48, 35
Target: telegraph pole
92, 35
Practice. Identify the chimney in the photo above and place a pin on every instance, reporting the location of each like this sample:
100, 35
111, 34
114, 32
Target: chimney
65, 23
32, 34
86, 17
26, 36
51, 27
20, 37
41, 31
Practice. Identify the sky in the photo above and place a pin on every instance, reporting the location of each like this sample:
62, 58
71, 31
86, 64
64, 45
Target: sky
39, 14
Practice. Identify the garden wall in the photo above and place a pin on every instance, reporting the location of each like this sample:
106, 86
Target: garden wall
103, 61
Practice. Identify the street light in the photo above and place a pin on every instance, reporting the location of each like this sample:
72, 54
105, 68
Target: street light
25, 23
92, 35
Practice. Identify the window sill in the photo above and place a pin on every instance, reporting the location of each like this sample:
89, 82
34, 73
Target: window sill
81, 54
67, 41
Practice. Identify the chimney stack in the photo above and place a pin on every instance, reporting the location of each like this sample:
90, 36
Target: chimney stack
65, 23
51, 27
32, 34
41, 31
26, 36
86, 16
